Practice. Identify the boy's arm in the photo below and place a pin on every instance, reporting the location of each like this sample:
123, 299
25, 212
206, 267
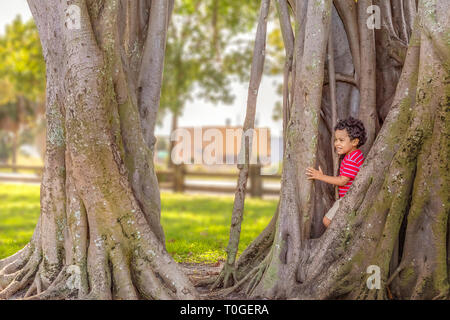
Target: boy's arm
318, 175
338, 181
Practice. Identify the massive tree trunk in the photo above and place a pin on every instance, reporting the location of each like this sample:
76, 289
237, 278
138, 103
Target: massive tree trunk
99, 234
395, 215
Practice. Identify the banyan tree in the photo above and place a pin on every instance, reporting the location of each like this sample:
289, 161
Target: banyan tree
386, 63
99, 234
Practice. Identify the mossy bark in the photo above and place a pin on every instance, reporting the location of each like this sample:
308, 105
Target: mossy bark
395, 215
99, 234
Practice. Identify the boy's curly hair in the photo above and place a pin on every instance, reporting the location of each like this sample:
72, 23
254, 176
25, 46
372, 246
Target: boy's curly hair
355, 129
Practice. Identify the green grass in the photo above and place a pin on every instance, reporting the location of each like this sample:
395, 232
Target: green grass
196, 226
19, 211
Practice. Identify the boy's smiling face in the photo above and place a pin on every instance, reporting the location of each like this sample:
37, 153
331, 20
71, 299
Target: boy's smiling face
342, 142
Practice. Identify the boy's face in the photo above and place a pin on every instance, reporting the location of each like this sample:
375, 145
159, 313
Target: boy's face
342, 142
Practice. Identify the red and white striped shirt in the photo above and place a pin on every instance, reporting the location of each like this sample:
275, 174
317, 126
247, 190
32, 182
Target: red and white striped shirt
349, 168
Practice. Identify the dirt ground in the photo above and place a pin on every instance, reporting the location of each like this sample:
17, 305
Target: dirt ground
199, 272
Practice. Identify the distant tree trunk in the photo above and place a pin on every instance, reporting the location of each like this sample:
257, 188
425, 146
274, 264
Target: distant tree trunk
174, 127
99, 234
14, 148
396, 214
16, 125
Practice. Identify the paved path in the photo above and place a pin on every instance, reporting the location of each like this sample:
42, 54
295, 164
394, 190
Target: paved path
21, 178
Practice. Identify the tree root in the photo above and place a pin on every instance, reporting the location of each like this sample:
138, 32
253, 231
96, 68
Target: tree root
121, 275
132, 279
255, 278
252, 279
227, 278
11, 283
16, 260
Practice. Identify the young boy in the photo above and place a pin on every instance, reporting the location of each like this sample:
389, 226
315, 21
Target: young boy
349, 135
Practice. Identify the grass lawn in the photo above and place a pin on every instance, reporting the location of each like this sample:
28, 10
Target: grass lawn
196, 226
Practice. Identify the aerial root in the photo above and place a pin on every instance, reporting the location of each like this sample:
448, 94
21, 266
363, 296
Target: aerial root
256, 278
227, 278
252, 278
396, 273
58, 289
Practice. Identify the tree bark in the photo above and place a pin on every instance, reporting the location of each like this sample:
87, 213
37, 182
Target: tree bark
367, 79
227, 277
395, 215
275, 274
99, 234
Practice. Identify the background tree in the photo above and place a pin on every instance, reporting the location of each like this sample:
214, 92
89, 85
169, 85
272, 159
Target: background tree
22, 74
206, 51
396, 214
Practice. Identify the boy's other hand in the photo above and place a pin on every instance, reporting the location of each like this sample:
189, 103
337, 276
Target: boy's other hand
326, 222
313, 173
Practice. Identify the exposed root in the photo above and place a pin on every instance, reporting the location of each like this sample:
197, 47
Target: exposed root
10, 284
396, 272
256, 278
99, 275
108, 272
149, 284
207, 282
252, 279
35, 287
227, 278
123, 284
17, 260
5, 280
60, 288
250, 259
30, 278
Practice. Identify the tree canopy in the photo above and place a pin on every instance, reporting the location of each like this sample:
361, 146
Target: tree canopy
205, 52
22, 81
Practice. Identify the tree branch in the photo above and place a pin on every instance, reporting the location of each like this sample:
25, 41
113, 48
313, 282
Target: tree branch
255, 80
288, 39
348, 12
332, 78
150, 73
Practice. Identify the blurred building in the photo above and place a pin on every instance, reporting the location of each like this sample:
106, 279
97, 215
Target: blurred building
220, 145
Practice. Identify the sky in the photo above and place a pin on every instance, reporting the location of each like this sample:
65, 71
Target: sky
196, 113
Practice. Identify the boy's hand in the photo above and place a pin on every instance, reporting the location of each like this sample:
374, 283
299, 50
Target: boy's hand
313, 173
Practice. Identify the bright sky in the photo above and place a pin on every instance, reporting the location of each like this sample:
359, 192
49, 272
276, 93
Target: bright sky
196, 113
